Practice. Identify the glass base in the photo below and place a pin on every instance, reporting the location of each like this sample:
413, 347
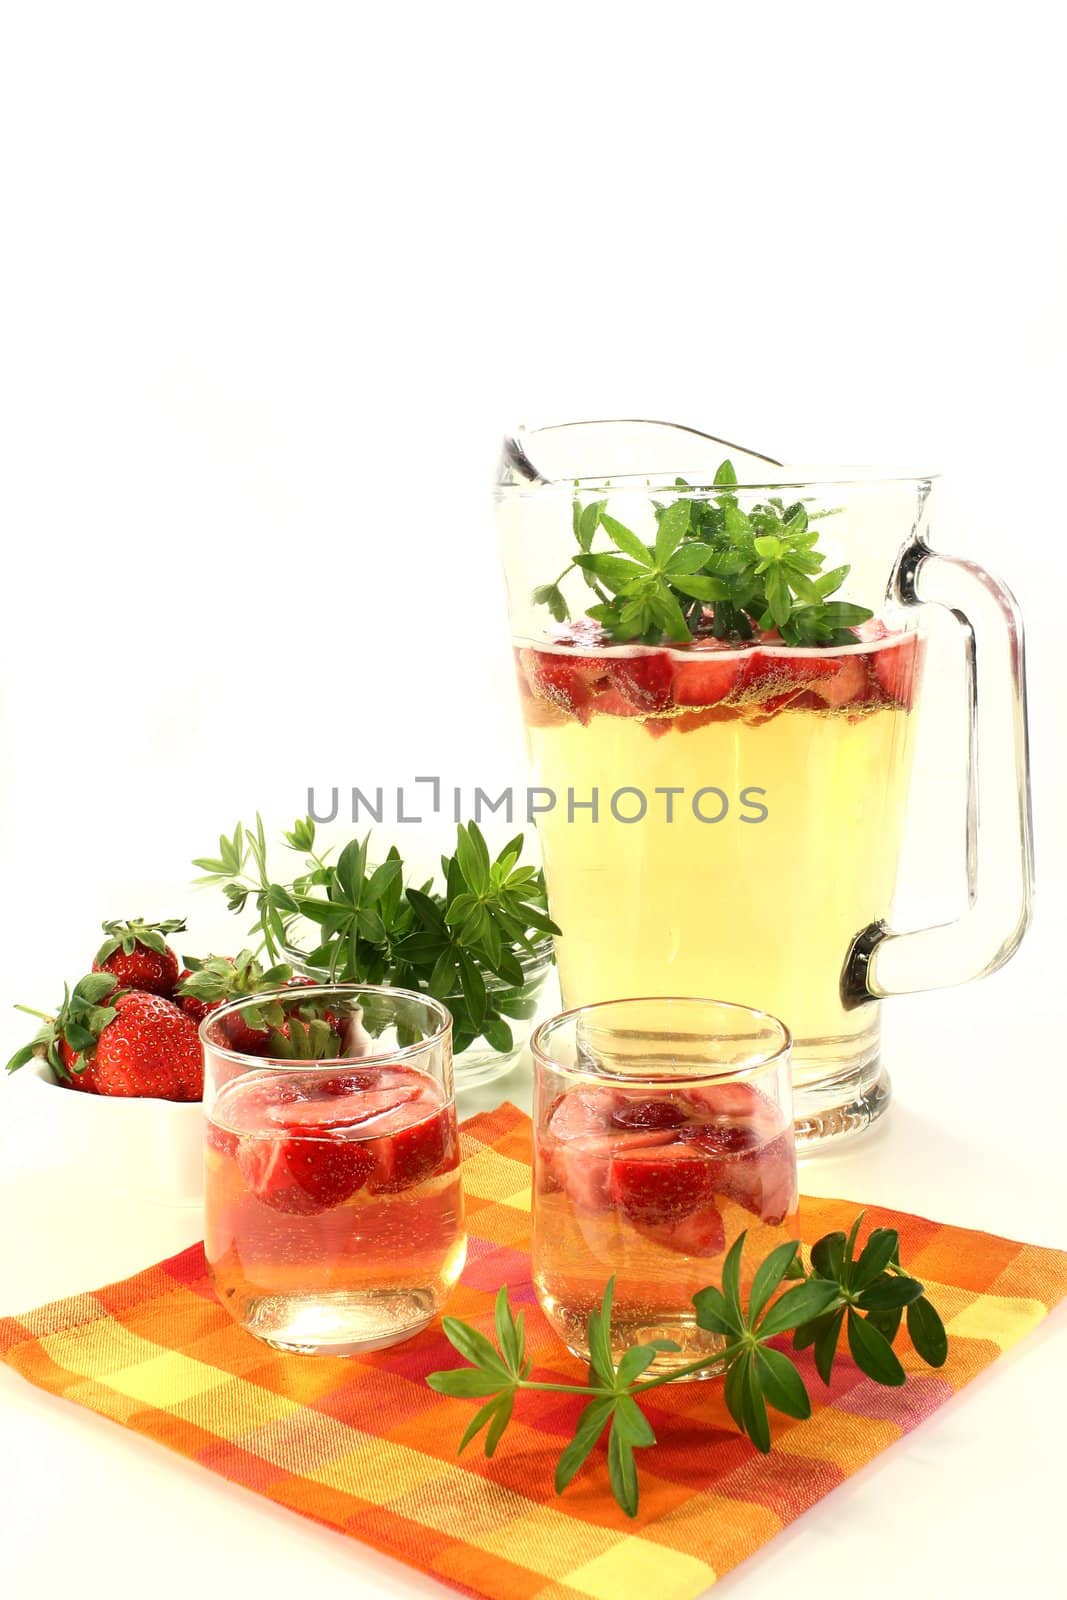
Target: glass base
840, 1106
628, 1330
339, 1324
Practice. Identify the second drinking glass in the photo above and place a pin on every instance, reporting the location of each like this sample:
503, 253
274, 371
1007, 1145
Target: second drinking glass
662, 1130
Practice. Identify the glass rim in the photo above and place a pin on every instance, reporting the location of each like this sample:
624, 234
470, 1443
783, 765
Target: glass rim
803, 476
316, 991
767, 1060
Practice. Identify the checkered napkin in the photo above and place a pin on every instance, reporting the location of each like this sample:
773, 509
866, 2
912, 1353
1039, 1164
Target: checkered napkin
364, 1446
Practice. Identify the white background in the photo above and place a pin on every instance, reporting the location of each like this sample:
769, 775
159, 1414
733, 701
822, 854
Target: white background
274, 278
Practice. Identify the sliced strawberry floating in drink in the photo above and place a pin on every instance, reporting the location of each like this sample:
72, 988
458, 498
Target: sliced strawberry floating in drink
582, 1111
719, 1139
412, 1141
613, 703
762, 1180
704, 678
895, 668
582, 1168
731, 1103
302, 1174
845, 683
662, 1183
644, 680
642, 1115
330, 1113
583, 1165
567, 681
703, 1233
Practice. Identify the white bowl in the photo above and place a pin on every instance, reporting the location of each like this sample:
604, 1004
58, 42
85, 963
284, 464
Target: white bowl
150, 1150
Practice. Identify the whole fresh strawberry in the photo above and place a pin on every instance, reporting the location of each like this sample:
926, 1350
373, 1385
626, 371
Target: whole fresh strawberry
216, 980
137, 954
125, 1043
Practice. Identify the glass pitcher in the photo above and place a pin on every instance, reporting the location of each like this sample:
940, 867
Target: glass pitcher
719, 668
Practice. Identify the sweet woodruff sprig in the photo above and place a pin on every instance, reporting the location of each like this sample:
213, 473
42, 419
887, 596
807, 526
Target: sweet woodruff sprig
713, 570
866, 1294
374, 928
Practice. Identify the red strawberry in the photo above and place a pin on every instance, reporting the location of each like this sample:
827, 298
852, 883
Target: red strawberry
581, 1111
730, 1116
763, 1180
896, 667
79, 1077
414, 1150
346, 1108
216, 980
661, 1184
196, 1009
641, 1115
137, 954
613, 703
150, 1049
583, 1166
567, 681
848, 681
703, 1233
704, 678
810, 678
303, 1174
126, 1043
644, 680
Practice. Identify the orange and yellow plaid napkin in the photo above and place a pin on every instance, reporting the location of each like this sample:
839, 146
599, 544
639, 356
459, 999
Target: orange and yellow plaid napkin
365, 1446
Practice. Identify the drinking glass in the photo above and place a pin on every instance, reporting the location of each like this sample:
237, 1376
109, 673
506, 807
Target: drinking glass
333, 1208
726, 816
663, 1129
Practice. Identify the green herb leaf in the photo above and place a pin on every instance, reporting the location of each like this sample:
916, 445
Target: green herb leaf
731, 1280
828, 1256
799, 1304
464, 1382
872, 1352
754, 1407
622, 1471
769, 1275
600, 1338
878, 1252
889, 1294
826, 1341
474, 1346
591, 1424
625, 540
927, 1333
783, 1386
673, 527
481, 1418
714, 1314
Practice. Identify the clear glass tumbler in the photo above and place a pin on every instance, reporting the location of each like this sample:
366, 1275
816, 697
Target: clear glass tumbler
333, 1207
663, 1129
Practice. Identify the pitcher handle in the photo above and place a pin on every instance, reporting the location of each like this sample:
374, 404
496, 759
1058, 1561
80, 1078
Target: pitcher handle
1000, 853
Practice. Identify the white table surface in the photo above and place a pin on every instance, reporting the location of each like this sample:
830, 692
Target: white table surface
970, 1502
